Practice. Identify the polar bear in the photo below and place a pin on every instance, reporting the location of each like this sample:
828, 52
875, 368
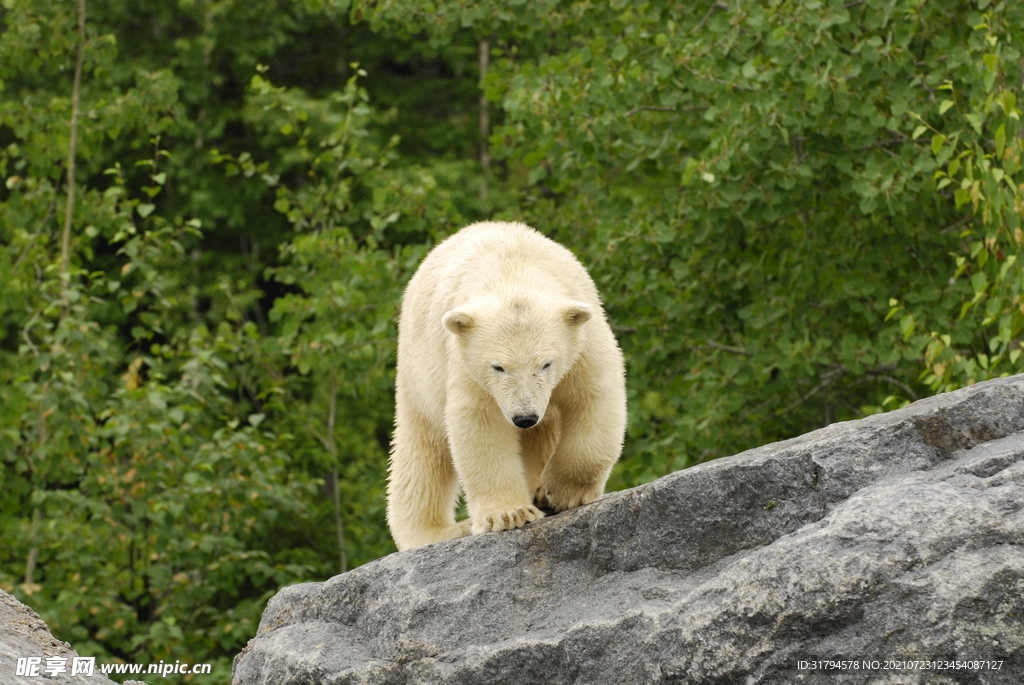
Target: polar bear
509, 382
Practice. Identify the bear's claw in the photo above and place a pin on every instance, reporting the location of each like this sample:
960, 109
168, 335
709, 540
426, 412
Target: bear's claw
563, 497
505, 519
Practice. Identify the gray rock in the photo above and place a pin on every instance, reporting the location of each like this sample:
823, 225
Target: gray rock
24, 635
894, 538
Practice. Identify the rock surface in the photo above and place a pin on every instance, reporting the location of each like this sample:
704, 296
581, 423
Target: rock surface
24, 635
899, 537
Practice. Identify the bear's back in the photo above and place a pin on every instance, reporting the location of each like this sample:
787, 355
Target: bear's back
498, 258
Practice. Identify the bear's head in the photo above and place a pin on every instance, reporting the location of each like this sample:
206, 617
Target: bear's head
518, 349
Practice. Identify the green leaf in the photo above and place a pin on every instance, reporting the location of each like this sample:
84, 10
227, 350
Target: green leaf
979, 282
907, 326
1007, 265
974, 119
537, 174
962, 196
145, 209
1000, 140
989, 80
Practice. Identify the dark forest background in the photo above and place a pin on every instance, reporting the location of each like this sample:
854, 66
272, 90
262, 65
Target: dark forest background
798, 212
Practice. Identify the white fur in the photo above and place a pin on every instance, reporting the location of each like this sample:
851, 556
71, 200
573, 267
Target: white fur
498, 324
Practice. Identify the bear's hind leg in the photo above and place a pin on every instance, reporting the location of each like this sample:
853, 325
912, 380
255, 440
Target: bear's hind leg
422, 487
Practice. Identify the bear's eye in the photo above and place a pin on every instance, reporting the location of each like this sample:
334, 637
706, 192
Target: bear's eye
546, 367
499, 369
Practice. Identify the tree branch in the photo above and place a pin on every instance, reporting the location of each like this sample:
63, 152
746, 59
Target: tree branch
648, 108
889, 379
711, 344
826, 381
42, 226
69, 212
485, 120
339, 522
716, 6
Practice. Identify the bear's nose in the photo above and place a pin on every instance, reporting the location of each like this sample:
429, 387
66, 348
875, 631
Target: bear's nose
527, 421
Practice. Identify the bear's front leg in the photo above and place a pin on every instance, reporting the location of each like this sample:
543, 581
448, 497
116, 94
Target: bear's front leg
590, 444
422, 486
485, 450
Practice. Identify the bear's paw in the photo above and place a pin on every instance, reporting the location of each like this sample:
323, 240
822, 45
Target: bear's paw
504, 518
563, 496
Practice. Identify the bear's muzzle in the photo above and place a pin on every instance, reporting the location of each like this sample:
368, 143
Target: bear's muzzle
525, 421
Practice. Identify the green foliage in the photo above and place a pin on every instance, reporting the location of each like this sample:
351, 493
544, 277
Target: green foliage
748, 188
177, 444
976, 149
798, 212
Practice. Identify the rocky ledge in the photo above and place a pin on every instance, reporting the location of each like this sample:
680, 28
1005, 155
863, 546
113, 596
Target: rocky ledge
882, 542
44, 659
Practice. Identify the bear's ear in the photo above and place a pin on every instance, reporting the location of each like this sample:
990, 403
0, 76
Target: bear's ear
577, 314
458, 321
